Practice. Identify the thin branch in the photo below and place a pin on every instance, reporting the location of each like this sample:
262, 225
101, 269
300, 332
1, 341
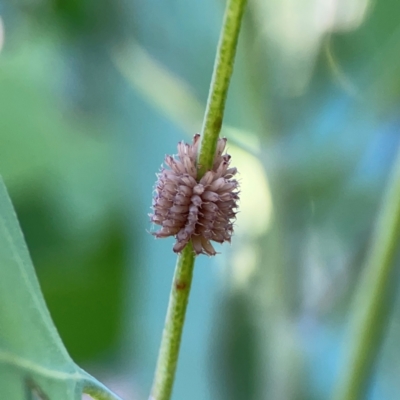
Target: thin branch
170, 343
375, 296
171, 340
220, 83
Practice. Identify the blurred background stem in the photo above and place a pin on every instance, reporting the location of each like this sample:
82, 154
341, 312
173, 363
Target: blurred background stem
373, 301
223, 67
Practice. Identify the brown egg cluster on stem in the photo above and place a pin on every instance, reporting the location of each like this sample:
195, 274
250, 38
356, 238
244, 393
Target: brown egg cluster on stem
199, 210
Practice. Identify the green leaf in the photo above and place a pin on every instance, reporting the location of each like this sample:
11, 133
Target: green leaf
34, 363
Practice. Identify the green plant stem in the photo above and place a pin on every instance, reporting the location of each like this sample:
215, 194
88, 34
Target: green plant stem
374, 298
223, 68
97, 390
170, 342
171, 339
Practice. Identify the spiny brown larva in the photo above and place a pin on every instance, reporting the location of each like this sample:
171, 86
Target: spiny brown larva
199, 210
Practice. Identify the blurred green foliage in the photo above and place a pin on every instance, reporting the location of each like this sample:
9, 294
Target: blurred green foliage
61, 183
313, 108
33, 360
